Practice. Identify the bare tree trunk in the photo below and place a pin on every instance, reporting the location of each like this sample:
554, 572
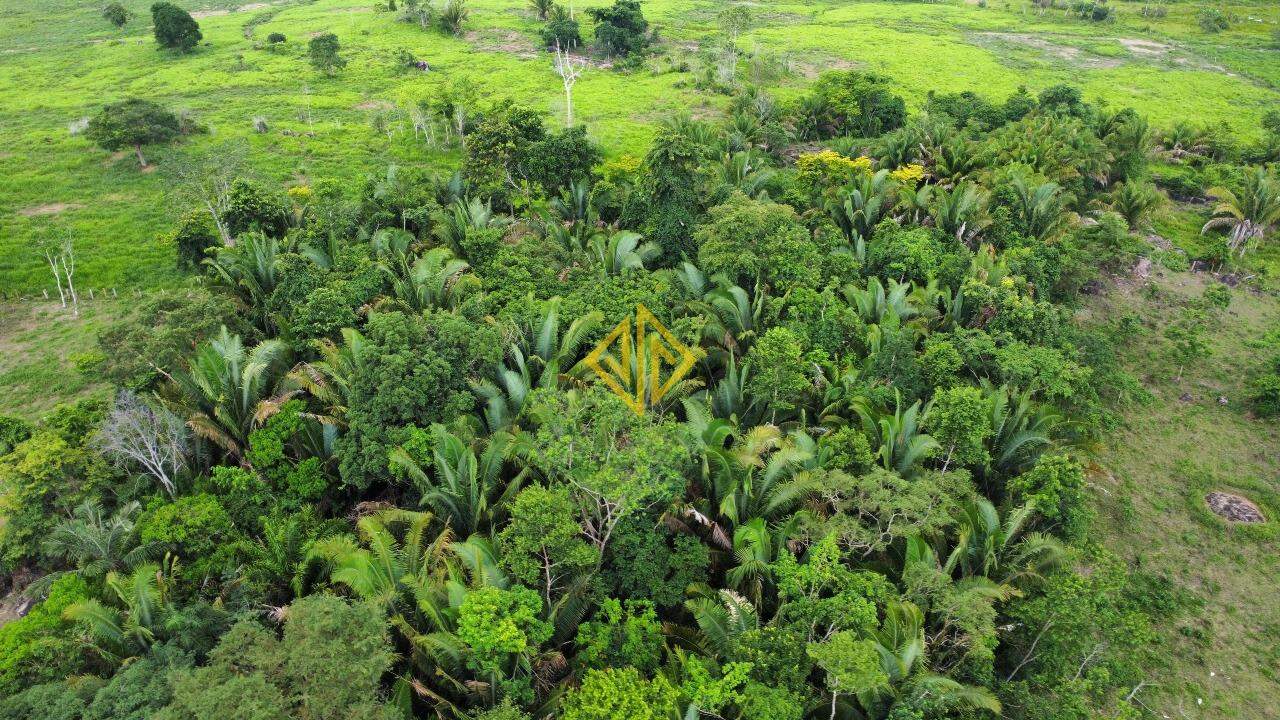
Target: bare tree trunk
141, 160
57, 276
69, 269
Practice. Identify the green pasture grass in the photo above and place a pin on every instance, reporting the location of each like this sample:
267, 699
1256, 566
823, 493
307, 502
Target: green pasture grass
39, 345
1150, 480
60, 61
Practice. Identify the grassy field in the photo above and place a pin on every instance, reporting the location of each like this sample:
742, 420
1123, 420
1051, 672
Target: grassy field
60, 61
1193, 436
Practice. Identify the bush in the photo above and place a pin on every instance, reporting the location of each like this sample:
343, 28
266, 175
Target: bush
1212, 20
561, 31
857, 103
323, 51
621, 28
115, 14
275, 38
42, 647
174, 27
1264, 393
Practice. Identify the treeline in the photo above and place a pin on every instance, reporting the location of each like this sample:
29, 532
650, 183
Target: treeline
358, 469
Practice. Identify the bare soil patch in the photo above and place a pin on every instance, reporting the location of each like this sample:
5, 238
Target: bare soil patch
374, 105
48, 209
1067, 53
507, 41
1234, 507
200, 14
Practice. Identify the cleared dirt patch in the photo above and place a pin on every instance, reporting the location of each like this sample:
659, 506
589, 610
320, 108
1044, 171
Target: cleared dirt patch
374, 105
1067, 53
199, 14
48, 209
506, 41
1234, 507
1149, 48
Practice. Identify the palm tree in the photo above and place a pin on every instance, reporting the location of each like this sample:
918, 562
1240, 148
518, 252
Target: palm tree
902, 446
722, 617
1041, 209
873, 303
1134, 201
329, 379
1249, 214
746, 172
248, 268
139, 604
437, 280
900, 642
227, 390
537, 355
862, 204
621, 252
466, 488
462, 217
994, 547
1022, 430
397, 556
542, 7
962, 212
97, 544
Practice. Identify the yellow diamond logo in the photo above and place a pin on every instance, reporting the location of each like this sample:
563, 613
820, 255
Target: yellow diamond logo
632, 360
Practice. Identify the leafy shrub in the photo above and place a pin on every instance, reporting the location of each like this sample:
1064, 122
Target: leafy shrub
621, 28
41, 646
275, 38
1212, 20
115, 14
174, 27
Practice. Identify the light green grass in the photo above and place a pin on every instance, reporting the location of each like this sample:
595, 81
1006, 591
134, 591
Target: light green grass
1149, 485
59, 61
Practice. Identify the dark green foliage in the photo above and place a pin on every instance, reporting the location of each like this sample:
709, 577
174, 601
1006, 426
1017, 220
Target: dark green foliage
137, 691
561, 30
51, 701
323, 52
621, 635
12, 431
196, 528
158, 337
43, 478
621, 28
510, 146
252, 206
192, 240
857, 103
416, 374
905, 254
753, 241
646, 563
42, 647
275, 38
174, 27
326, 666
115, 14
132, 123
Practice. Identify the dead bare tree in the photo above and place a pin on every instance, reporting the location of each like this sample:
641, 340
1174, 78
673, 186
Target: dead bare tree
569, 68
208, 183
137, 433
51, 252
68, 258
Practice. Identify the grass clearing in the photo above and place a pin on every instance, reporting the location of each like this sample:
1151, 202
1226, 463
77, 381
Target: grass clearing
1151, 481
321, 127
